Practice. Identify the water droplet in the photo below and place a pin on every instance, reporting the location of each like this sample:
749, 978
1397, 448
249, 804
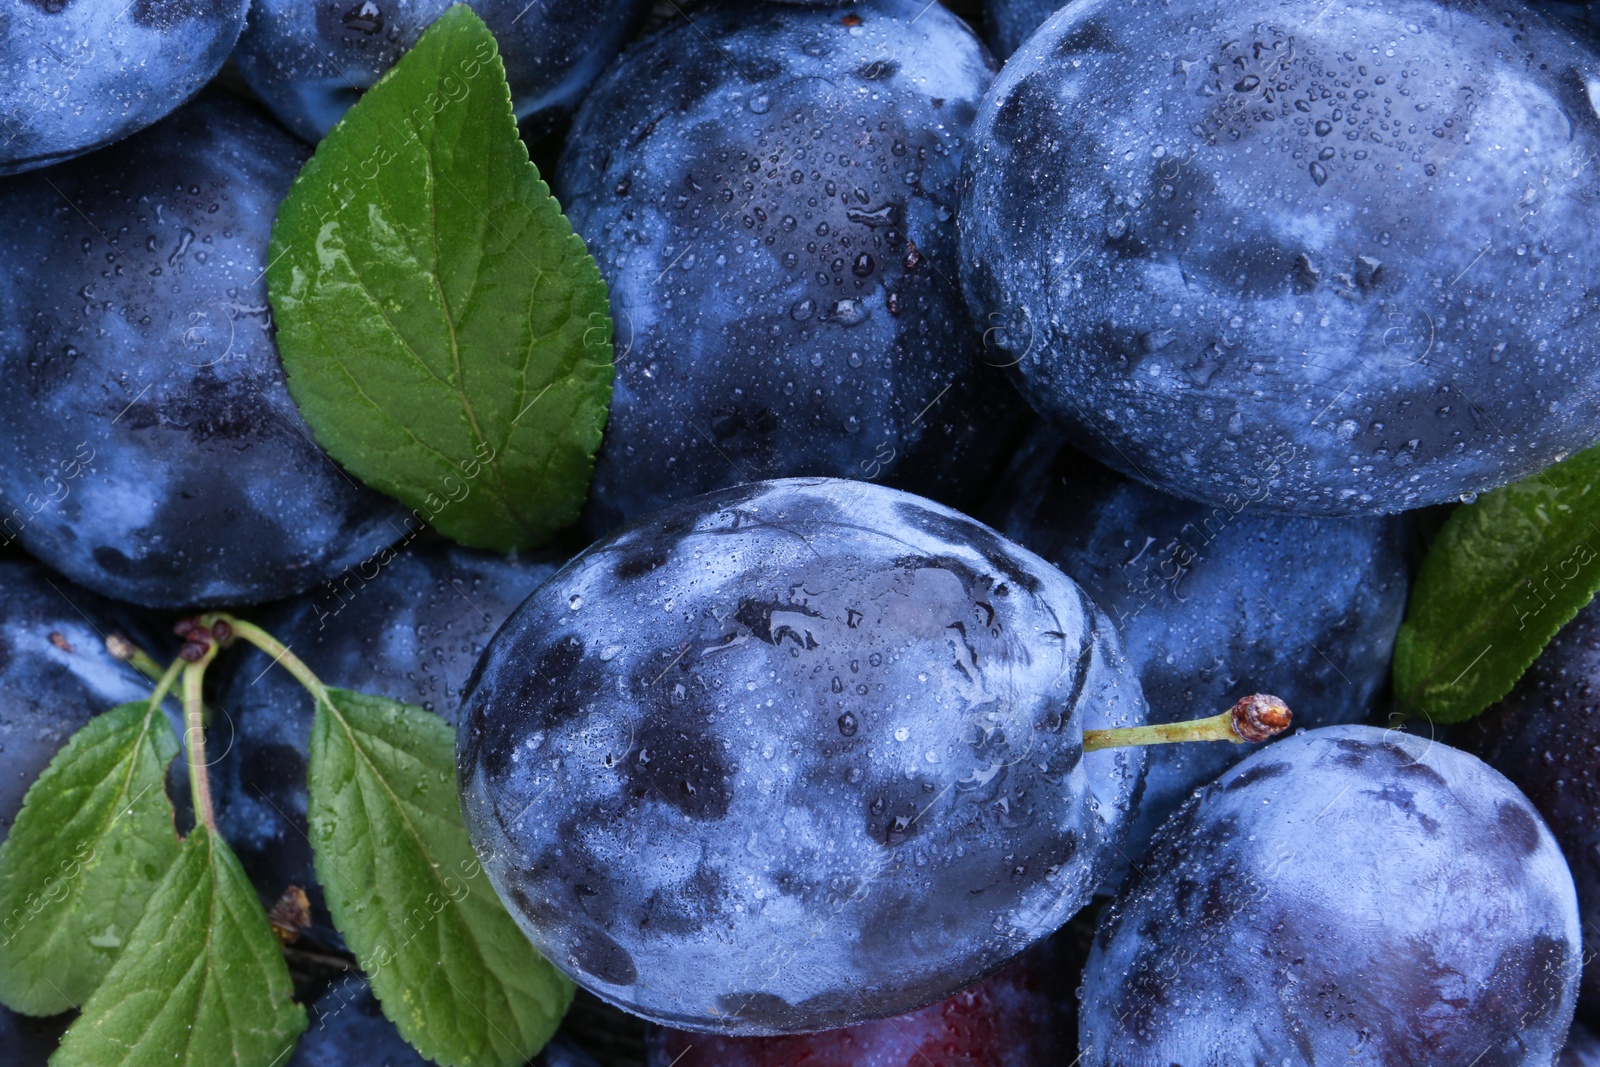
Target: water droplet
1319, 173
803, 309
366, 19
574, 601
848, 724
760, 103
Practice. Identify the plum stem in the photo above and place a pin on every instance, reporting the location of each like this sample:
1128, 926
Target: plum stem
134, 656
165, 681
1254, 718
125, 650
279, 652
194, 736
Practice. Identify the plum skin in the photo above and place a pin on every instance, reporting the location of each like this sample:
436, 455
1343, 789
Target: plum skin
412, 633
55, 675
309, 60
774, 216
1349, 895
919, 812
1010, 22
1543, 736
1292, 262
154, 454
1020, 1016
1214, 603
79, 74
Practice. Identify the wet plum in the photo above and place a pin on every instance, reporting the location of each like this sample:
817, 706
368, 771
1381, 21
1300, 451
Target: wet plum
1544, 736
152, 452
79, 74
412, 630
770, 192
309, 60
796, 754
1346, 895
1341, 252
1214, 602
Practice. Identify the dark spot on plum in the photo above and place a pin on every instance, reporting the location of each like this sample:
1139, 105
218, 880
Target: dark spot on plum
1404, 800
760, 1009
1518, 827
877, 70
1088, 36
958, 530
1259, 773
756, 616
595, 953
1352, 753
641, 562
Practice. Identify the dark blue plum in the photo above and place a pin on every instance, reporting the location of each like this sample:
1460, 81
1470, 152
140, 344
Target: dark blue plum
27, 1041
770, 192
1339, 252
1544, 737
1347, 895
1010, 22
348, 1029
1582, 1048
796, 754
309, 60
410, 626
1214, 602
79, 74
55, 673
151, 451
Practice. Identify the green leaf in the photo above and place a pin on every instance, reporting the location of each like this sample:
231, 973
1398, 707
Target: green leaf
201, 982
92, 841
1502, 577
449, 965
446, 335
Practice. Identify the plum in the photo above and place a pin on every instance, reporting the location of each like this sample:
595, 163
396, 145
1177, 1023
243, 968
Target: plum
795, 754
1023, 1015
770, 192
1010, 22
152, 451
1544, 736
348, 1027
1581, 1050
309, 60
55, 673
79, 74
29, 1041
1346, 895
411, 629
1339, 255
1214, 602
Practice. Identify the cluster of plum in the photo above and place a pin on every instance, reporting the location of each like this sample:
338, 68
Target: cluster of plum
963, 412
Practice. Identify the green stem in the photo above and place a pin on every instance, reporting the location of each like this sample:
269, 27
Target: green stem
134, 656
1254, 718
195, 738
276, 649
140, 660
166, 681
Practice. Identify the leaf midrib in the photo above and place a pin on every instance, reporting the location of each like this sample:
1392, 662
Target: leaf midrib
128, 765
432, 868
